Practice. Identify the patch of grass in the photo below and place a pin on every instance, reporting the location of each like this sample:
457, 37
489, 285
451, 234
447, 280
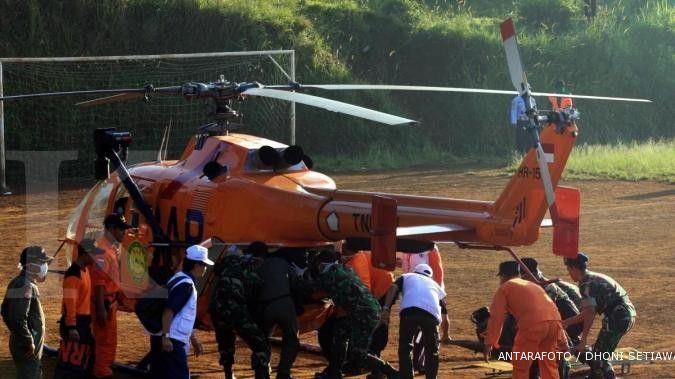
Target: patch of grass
381, 156
651, 160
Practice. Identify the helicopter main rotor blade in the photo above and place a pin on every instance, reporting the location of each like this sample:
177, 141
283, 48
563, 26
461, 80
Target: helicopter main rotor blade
331, 105
124, 96
71, 93
510, 42
110, 99
591, 97
386, 87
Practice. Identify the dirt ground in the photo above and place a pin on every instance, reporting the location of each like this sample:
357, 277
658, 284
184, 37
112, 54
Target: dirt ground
626, 228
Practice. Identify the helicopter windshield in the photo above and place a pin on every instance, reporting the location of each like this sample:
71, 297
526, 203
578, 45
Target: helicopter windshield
97, 212
93, 215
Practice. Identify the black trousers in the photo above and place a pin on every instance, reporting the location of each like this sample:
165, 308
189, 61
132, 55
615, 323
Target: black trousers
168, 364
412, 320
281, 312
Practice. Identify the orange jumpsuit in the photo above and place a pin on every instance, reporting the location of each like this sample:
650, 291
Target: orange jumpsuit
380, 279
431, 257
76, 296
105, 273
539, 326
565, 102
76, 315
360, 263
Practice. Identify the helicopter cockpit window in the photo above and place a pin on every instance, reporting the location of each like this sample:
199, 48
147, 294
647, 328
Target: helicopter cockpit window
98, 210
121, 204
254, 164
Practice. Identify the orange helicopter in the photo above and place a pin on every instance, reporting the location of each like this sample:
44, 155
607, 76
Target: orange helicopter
233, 189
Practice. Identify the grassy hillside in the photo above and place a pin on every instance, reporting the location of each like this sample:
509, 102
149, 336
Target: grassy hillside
627, 49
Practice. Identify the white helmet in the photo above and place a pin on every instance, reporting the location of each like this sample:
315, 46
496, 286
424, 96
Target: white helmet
424, 269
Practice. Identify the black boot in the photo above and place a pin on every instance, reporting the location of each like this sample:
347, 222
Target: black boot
262, 373
389, 371
328, 374
228, 373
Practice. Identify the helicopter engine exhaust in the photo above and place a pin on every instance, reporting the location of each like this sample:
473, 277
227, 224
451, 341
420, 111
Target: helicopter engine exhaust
293, 155
266, 157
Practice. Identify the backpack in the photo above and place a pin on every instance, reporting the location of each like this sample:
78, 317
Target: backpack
150, 306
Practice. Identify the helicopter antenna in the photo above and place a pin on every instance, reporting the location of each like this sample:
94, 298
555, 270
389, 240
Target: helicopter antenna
161, 155
168, 136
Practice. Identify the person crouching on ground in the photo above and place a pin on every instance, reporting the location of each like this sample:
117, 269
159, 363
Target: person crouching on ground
421, 305
602, 295
538, 321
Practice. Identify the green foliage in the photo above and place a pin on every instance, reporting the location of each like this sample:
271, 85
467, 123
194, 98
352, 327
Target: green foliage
553, 16
649, 160
628, 49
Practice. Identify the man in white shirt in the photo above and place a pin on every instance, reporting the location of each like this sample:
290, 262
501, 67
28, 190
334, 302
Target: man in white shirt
168, 353
432, 258
421, 304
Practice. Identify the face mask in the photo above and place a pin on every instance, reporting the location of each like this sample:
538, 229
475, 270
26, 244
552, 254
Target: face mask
43, 270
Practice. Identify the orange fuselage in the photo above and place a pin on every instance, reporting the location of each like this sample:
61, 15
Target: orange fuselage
295, 206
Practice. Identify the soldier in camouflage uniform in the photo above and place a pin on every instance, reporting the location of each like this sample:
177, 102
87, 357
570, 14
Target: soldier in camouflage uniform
363, 315
602, 295
571, 290
566, 306
22, 312
237, 283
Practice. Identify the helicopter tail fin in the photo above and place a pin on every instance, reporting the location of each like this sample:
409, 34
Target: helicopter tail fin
523, 201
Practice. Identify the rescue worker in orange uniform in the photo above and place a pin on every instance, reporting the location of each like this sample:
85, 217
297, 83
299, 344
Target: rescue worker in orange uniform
105, 281
540, 333
559, 103
75, 357
357, 260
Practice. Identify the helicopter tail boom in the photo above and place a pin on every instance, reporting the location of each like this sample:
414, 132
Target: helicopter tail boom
523, 203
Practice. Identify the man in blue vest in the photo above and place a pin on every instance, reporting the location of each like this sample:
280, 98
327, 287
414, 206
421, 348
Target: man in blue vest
520, 122
168, 352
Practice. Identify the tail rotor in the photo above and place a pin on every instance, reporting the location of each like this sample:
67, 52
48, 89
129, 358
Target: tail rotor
519, 81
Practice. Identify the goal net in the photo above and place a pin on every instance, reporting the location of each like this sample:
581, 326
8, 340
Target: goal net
55, 123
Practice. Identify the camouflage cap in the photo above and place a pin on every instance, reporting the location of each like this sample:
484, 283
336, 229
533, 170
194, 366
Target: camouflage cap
509, 268
580, 261
34, 254
531, 264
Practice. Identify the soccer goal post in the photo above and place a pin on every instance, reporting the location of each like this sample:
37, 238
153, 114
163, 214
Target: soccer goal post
55, 123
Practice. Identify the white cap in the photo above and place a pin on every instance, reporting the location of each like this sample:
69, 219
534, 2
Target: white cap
200, 254
424, 269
